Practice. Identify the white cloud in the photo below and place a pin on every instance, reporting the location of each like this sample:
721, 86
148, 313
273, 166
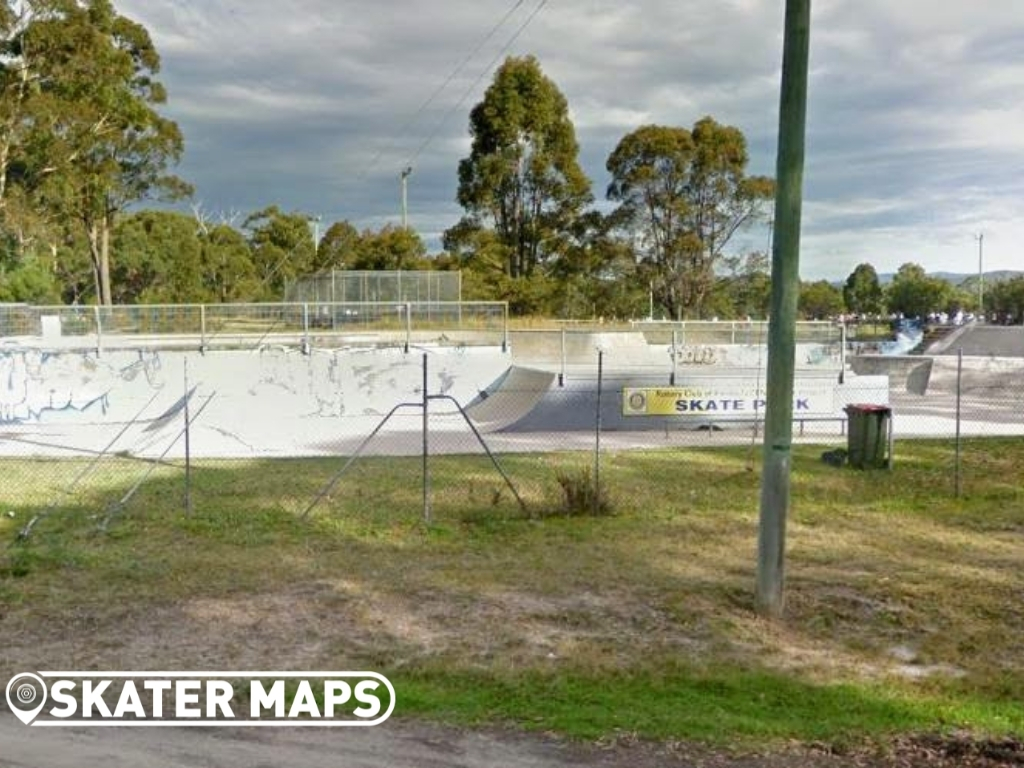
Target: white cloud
913, 144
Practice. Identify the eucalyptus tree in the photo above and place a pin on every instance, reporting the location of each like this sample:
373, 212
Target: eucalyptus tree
522, 178
913, 293
862, 291
282, 248
95, 143
684, 194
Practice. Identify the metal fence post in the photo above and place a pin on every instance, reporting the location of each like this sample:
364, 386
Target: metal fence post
305, 328
959, 381
597, 434
842, 352
675, 358
188, 449
561, 369
202, 328
504, 325
426, 446
99, 330
408, 328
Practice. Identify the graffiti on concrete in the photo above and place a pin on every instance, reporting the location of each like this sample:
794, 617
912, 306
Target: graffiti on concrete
36, 384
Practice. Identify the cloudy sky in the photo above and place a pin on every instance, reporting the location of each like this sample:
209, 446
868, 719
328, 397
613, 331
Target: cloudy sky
915, 120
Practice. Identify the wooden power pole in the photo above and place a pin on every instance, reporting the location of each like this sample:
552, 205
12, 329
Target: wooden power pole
778, 433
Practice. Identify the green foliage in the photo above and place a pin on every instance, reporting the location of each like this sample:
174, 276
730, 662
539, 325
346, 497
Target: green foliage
745, 292
914, 294
391, 247
1006, 299
580, 494
336, 249
863, 291
522, 175
683, 194
30, 281
819, 300
282, 248
85, 140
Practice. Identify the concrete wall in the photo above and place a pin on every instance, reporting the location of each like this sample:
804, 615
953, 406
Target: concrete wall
274, 401
910, 373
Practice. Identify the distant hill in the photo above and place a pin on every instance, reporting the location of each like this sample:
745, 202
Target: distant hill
993, 277
956, 278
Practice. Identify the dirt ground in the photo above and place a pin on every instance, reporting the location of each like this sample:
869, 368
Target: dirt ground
250, 632
410, 744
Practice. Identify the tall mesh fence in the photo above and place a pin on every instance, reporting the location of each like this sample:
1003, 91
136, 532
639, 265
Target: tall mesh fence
440, 433
367, 286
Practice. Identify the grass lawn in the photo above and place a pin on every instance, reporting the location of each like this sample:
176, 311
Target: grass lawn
905, 606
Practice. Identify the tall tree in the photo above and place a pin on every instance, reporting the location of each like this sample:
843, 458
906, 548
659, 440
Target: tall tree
819, 300
98, 144
282, 248
913, 293
1006, 298
684, 194
336, 248
863, 291
390, 248
522, 176
228, 273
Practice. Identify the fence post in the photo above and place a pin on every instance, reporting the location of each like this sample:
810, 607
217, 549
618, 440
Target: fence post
561, 368
188, 449
504, 323
202, 329
959, 381
305, 328
597, 434
408, 328
99, 330
675, 358
426, 446
842, 351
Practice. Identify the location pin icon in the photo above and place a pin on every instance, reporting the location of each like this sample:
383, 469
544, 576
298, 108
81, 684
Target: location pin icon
26, 696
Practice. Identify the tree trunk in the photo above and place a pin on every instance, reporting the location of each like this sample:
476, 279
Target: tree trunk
94, 258
105, 260
99, 254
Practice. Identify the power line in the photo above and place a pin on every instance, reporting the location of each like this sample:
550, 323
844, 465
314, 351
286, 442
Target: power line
504, 49
444, 84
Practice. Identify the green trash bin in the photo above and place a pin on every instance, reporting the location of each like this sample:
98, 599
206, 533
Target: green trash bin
868, 435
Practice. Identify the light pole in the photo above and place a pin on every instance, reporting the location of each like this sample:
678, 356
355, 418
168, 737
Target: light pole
981, 276
315, 221
406, 172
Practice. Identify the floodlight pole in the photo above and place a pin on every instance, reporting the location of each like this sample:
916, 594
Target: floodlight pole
406, 172
778, 424
981, 277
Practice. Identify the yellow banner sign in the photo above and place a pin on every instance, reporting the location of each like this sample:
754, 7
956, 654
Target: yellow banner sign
720, 400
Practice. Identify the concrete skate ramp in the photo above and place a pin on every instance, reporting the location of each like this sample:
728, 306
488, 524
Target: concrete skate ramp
510, 398
983, 340
910, 373
996, 377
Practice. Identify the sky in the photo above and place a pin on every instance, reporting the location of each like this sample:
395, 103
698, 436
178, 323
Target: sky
915, 127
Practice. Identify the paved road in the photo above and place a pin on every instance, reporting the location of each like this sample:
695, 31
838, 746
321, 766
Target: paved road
395, 744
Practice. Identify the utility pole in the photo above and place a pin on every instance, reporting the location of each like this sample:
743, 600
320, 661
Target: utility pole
981, 277
406, 172
778, 433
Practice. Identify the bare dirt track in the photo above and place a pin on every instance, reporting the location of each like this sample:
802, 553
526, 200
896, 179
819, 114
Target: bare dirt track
409, 744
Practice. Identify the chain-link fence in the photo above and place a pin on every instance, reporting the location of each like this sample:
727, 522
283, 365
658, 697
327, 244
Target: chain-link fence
232, 326
339, 286
439, 433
